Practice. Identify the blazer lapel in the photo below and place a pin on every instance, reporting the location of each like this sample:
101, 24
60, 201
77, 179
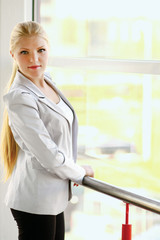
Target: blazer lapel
52, 84
49, 80
25, 82
51, 105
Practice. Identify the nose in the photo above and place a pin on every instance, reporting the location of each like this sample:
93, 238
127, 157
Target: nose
33, 57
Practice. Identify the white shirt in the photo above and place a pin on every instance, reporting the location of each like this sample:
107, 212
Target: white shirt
66, 110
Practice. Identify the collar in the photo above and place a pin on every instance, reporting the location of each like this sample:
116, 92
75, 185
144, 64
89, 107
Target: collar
23, 81
20, 79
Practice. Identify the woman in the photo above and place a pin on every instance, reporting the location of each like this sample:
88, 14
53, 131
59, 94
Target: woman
39, 140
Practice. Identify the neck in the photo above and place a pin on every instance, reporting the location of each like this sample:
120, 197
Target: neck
39, 82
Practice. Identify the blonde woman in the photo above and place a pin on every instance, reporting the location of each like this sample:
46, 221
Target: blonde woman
39, 140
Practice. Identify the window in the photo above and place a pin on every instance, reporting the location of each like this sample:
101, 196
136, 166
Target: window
113, 29
104, 56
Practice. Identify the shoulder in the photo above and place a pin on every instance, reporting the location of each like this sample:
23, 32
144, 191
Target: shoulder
19, 96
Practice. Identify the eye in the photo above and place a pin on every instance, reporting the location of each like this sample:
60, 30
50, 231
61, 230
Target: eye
41, 50
24, 52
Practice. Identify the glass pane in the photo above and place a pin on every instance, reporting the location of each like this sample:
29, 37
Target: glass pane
119, 136
118, 114
102, 28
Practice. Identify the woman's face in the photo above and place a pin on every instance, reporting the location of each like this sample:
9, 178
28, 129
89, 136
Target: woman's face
31, 56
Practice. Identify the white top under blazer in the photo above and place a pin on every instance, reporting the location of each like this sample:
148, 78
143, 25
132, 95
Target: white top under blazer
47, 137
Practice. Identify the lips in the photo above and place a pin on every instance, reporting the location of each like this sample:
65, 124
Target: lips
34, 67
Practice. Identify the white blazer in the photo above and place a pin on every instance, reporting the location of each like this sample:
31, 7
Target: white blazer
46, 161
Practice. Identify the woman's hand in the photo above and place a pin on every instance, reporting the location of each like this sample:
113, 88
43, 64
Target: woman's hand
89, 170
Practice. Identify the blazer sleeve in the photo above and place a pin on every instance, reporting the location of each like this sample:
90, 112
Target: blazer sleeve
27, 126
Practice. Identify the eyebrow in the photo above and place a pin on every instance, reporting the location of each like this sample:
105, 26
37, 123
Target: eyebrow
42, 46
24, 48
28, 48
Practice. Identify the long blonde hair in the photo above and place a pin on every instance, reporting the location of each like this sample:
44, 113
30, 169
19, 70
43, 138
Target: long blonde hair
9, 148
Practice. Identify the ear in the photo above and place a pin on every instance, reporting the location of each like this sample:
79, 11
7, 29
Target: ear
12, 54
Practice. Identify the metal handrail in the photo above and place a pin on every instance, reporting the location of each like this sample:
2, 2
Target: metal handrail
121, 194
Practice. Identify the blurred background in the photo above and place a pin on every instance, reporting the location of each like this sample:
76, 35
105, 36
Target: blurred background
92, 43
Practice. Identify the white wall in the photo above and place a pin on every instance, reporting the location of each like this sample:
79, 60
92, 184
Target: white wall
11, 12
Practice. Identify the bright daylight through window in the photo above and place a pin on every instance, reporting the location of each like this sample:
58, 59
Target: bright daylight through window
118, 112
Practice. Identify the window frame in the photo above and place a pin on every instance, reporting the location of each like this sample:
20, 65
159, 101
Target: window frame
115, 65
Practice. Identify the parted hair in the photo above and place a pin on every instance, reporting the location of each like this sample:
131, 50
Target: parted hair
8, 146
